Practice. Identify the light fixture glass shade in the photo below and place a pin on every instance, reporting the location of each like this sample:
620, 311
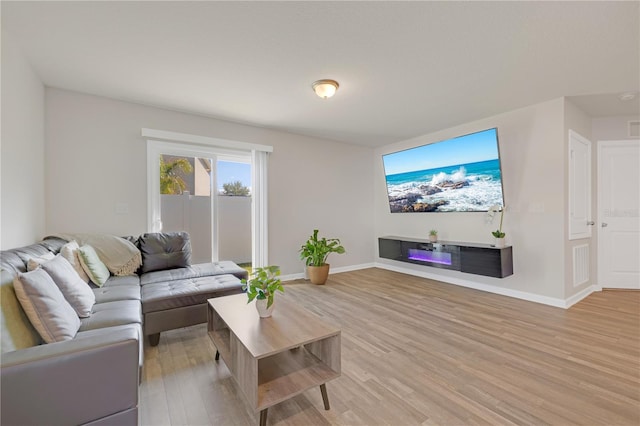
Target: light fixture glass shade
325, 88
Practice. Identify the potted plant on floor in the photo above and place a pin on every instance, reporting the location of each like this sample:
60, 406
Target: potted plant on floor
315, 252
262, 288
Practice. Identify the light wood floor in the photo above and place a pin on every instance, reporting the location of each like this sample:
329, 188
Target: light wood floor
420, 352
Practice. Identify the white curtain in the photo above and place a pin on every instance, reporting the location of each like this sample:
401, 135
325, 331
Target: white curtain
259, 217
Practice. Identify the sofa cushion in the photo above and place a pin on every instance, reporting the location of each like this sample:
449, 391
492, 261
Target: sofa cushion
74, 289
165, 250
125, 280
70, 252
115, 293
224, 267
15, 260
45, 306
35, 262
110, 314
194, 291
93, 266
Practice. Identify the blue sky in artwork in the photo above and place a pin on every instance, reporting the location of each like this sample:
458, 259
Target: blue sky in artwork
466, 149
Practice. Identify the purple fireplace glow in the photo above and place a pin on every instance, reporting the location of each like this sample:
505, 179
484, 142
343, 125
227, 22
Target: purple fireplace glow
440, 257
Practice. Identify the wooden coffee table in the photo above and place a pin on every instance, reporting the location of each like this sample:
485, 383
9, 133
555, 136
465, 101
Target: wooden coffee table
273, 359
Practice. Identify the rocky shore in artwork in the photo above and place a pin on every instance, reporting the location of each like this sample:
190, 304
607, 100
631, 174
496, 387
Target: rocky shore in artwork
414, 200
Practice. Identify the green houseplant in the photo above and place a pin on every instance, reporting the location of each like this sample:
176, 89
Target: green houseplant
315, 252
498, 234
433, 235
262, 287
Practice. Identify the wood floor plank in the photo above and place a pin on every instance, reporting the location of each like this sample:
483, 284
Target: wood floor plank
421, 352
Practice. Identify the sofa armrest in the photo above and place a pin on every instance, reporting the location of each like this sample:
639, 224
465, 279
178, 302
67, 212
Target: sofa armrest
72, 382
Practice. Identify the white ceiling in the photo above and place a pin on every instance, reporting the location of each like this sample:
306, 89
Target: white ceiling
405, 68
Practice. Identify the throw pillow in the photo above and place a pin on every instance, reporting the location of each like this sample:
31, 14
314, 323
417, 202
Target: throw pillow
50, 314
75, 291
35, 262
93, 266
70, 252
165, 250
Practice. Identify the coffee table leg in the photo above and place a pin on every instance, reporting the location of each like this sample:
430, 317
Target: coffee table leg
325, 397
263, 417
217, 355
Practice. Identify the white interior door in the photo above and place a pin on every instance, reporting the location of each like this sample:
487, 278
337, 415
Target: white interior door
580, 187
619, 214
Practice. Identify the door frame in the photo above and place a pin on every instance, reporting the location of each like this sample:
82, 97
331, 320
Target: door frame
154, 202
599, 218
259, 197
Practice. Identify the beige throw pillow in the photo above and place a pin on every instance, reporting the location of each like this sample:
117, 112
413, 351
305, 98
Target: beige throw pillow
50, 314
70, 252
75, 291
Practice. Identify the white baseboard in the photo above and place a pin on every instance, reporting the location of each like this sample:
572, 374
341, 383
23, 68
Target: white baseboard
581, 295
332, 270
531, 297
545, 300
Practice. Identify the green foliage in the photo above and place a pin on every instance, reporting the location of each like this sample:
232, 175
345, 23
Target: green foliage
315, 251
171, 182
235, 188
433, 232
264, 284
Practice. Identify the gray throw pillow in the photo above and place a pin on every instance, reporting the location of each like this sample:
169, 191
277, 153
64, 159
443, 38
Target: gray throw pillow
50, 314
73, 288
165, 250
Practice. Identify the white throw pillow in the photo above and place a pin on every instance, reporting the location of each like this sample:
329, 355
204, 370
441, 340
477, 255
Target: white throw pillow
75, 291
35, 262
70, 252
50, 314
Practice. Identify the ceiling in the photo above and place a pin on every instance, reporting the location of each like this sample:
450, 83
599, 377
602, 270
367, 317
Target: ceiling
404, 68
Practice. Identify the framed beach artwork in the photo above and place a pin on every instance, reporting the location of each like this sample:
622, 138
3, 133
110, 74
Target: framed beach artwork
462, 174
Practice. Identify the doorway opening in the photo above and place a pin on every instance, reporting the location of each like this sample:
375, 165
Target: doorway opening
206, 192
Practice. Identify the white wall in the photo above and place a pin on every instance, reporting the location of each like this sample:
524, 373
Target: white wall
22, 214
532, 150
612, 128
97, 159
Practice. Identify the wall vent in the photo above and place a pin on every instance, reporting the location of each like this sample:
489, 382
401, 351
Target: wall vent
580, 264
634, 129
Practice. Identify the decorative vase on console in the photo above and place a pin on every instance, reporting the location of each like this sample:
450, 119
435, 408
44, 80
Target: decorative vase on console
498, 234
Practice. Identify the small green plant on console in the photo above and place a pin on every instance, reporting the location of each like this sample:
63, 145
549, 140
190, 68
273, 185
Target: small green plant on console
264, 284
498, 232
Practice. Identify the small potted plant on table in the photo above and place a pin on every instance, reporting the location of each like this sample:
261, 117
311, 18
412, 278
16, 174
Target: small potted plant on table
433, 235
315, 252
262, 288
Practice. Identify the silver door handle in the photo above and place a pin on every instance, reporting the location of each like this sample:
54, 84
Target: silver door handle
604, 225
591, 223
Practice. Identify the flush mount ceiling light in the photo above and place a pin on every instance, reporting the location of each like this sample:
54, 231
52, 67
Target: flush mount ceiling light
325, 88
627, 96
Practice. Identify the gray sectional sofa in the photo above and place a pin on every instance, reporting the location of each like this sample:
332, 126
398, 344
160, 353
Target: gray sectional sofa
93, 378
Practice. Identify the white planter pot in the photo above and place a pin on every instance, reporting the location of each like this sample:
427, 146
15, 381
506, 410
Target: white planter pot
500, 243
263, 311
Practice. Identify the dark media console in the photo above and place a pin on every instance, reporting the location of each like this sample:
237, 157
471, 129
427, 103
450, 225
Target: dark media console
472, 258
